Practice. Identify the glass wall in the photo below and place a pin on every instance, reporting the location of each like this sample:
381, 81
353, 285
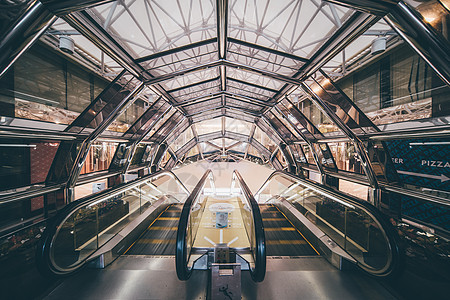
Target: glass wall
99, 157
346, 157
398, 87
312, 112
45, 86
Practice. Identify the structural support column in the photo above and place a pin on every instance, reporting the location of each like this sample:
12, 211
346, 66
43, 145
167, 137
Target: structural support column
86, 144
359, 146
23, 34
158, 157
292, 166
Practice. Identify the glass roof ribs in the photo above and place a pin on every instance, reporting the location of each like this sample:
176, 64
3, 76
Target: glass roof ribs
24, 25
189, 93
309, 133
239, 103
212, 114
167, 24
186, 147
69, 158
268, 129
239, 115
183, 126
84, 23
368, 163
285, 25
249, 89
203, 106
136, 133
354, 26
253, 56
279, 128
298, 120
347, 111
170, 61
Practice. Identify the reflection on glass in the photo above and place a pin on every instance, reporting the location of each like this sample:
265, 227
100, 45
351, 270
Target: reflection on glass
399, 87
436, 13
351, 227
346, 157
99, 157
93, 224
44, 86
314, 114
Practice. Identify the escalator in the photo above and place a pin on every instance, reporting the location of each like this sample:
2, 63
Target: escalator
282, 238
160, 237
246, 226
299, 213
296, 222
99, 228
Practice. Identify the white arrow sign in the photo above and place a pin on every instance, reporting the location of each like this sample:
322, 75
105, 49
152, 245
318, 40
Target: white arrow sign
441, 177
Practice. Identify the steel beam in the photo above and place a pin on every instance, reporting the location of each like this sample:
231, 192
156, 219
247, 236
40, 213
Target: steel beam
176, 50
359, 146
222, 33
421, 36
85, 146
26, 30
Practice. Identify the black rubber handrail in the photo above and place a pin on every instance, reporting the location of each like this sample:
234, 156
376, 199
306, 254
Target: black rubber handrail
393, 240
259, 253
43, 251
182, 253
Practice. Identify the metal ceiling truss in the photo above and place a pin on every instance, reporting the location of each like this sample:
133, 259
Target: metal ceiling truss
206, 138
231, 93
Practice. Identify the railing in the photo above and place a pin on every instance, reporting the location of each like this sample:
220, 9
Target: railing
83, 226
191, 215
355, 225
255, 230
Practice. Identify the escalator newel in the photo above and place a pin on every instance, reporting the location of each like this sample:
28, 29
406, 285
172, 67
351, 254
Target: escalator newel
225, 274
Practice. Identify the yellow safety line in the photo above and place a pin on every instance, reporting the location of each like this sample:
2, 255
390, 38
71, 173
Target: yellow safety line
147, 228
168, 218
273, 219
296, 229
162, 228
285, 242
279, 229
156, 241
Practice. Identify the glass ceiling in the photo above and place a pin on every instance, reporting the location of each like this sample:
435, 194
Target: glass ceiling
233, 70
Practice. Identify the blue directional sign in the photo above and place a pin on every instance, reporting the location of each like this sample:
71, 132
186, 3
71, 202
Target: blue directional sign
424, 163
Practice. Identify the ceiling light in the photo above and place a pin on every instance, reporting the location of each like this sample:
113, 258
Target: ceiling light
66, 44
378, 45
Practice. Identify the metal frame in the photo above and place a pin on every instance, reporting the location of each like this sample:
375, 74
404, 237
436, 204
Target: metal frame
404, 20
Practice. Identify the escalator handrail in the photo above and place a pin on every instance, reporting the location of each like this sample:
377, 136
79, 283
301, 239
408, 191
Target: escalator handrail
259, 255
396, 257
181, 254
43, 251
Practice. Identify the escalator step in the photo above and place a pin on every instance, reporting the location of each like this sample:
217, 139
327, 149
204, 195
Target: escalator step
162, 228
282, 239
160, 237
